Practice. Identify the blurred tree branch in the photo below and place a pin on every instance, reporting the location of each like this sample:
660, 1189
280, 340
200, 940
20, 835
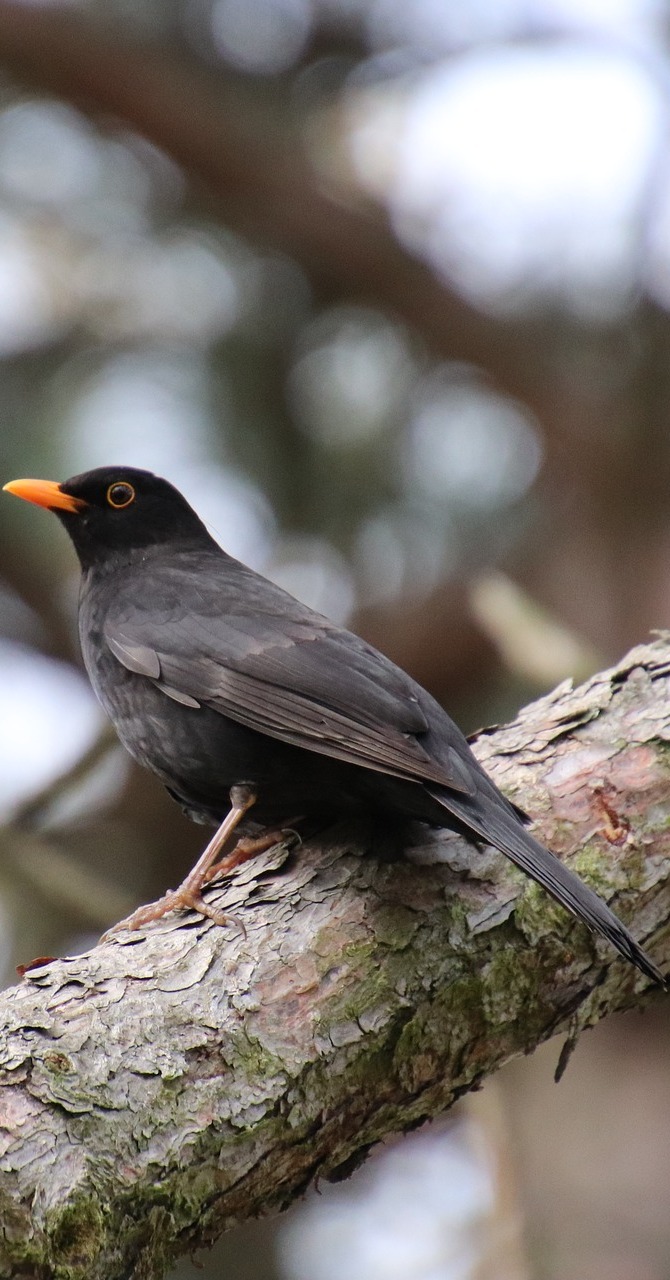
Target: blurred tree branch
30, 811
32, 585
40, 867
161, 1088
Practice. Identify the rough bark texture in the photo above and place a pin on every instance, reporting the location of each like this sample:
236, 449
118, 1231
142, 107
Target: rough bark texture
162, 1088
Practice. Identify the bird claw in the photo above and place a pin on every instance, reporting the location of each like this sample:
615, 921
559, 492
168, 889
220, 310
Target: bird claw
188, 897
184, 899
194, 901
144, 915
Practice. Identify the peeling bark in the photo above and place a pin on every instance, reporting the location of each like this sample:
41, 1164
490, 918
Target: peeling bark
164, 1087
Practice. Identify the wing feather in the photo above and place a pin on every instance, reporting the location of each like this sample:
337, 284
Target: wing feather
284, 671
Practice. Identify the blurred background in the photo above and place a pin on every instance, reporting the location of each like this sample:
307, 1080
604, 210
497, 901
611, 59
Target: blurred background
383, 287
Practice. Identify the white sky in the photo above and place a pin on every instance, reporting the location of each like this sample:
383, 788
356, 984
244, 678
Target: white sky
521, 170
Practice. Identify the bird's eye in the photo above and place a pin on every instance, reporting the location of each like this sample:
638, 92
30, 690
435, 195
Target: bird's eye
120, 495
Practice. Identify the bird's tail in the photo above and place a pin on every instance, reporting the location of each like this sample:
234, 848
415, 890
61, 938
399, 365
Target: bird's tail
502, 829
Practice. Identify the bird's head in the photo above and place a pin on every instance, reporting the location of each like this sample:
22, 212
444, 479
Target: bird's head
113, 511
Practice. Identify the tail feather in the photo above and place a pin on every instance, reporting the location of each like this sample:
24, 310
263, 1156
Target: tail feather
503, 830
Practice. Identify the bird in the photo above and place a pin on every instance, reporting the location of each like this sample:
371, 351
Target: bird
250, 706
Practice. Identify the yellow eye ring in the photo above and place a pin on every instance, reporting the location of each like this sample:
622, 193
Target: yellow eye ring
120, 494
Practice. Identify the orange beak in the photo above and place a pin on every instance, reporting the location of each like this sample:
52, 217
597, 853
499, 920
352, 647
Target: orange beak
45, 493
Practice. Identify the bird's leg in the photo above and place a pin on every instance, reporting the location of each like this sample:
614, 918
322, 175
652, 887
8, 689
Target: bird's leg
241, 800
189, 893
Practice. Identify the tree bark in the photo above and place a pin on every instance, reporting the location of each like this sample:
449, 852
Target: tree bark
169, 1084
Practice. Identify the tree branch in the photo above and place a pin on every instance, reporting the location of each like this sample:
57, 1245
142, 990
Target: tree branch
161, 1088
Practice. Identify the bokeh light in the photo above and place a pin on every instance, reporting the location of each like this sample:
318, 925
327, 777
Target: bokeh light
512, 202
49, 717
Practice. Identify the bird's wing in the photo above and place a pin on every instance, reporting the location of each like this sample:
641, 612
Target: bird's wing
277, 667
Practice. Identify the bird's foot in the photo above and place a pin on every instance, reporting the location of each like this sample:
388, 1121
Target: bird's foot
185, 898
249, 847
189, 894
188, 897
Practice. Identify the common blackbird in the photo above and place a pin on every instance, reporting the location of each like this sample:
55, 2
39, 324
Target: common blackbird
236, 695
